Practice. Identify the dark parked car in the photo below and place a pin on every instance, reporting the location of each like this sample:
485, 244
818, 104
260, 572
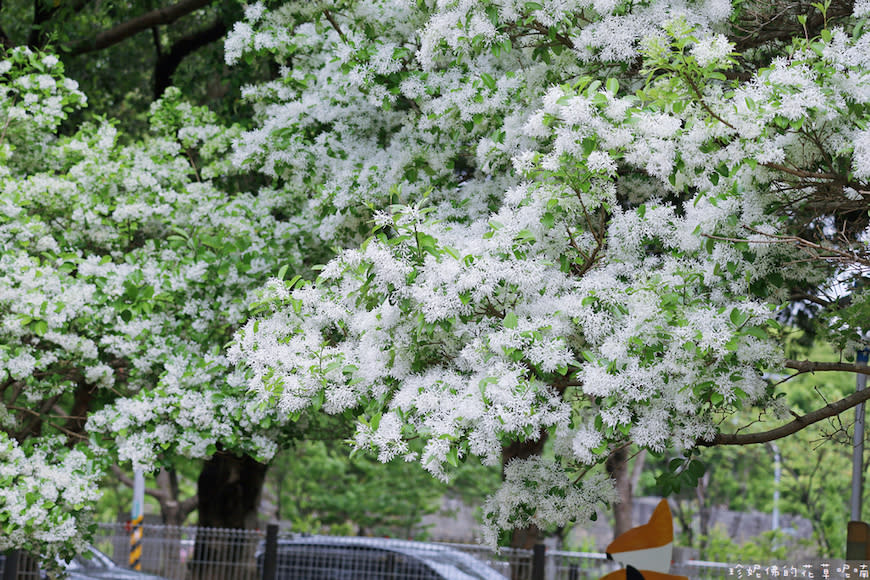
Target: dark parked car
356, 558
97, 567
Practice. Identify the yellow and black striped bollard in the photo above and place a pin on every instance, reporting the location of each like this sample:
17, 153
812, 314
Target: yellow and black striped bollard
136, 543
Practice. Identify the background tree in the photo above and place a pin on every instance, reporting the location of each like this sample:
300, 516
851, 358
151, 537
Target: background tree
126, 54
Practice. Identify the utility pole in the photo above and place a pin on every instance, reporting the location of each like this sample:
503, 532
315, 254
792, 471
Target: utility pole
858, 532
858, 444
777, 476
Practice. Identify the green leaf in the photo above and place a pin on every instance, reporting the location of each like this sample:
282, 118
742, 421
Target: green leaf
738, 317
547, 220
453, 457
510, 320
756, 331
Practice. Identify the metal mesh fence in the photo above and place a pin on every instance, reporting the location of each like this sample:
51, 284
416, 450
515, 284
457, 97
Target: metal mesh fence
324, 557
191, 553
174, 553
576, 565
27, 567
509, 562
182, 553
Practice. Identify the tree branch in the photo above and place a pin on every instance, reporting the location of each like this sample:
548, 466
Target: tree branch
5, 41
808, 366
706, 106
34, 425
168, 62
125, 30
763, 21
158, 494
803, 173
334, 25
158, 47
44, 12
800, 422
798, 295
187, 506
550, 33
813, 248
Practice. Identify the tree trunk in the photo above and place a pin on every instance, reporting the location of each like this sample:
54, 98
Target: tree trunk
704, 513
637, 469
173, 511
167, 63
617, 467
684, 516
229, 490
524, 538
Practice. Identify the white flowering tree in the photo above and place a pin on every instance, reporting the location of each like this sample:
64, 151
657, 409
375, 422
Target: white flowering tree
567, 222
124, 268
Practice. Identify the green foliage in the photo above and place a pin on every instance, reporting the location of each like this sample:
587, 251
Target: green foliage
816, 465
319, 489
767, 547
680, 474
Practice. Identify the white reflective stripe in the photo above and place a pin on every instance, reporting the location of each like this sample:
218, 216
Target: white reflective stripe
655, 559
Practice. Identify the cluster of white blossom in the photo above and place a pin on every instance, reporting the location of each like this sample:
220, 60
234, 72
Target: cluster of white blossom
518, 502
531, 242
46, 496
552, 252
123, 270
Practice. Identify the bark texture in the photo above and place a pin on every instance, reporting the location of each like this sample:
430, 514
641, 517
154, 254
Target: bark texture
229, 489
617, 467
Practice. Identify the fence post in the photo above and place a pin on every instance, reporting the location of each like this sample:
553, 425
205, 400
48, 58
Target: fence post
539, 561
10, 567
270, 558
573, 572
857, 540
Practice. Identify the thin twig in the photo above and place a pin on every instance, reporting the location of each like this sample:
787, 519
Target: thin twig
335, 25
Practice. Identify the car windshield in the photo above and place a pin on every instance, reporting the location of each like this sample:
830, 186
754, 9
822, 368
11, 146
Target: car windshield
464, 563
